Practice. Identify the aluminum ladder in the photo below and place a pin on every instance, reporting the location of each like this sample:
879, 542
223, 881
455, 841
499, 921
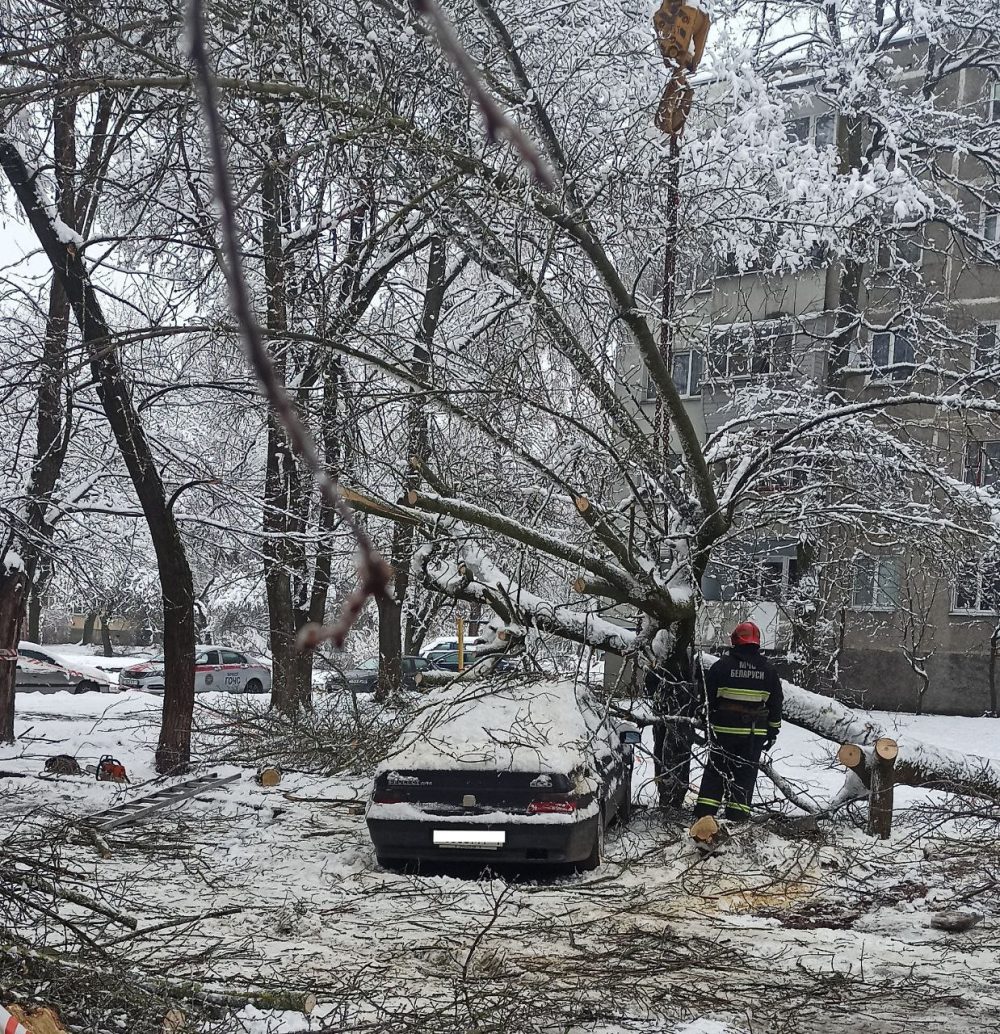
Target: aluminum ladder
142, 807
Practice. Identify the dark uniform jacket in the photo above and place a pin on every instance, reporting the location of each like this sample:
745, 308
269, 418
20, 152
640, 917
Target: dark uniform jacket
744, 695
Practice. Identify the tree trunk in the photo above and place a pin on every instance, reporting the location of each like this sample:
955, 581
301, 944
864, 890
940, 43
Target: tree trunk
174, 749
994, 650
848, 272
285, 505
89, 621
33, 633
680, 698
475, 619
106, 645
880, 797
390, 611
925, 683
918, 764
52, 437
13, 583
390, 648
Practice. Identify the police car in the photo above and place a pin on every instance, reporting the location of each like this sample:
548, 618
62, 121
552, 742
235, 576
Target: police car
216, 669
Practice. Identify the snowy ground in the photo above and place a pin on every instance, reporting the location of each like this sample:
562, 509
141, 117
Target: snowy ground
779, 934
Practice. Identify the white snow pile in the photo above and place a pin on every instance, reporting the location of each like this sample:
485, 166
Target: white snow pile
520, 727
11, 562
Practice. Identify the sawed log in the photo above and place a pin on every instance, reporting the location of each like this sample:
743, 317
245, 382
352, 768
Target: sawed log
876, 771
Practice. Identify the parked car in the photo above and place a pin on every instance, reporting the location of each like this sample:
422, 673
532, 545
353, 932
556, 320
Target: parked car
217, 669
524, 772
364, 678
39, 676
446, 645
447, 660
38, 672
450, 643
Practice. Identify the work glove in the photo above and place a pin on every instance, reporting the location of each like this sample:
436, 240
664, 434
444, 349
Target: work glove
769, 743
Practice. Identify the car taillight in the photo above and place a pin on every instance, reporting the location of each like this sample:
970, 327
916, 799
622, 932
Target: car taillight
386, 797
551, 807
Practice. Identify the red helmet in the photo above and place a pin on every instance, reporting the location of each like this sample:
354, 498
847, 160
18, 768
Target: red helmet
746, 633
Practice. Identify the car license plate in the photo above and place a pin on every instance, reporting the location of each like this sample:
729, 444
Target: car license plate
476, 839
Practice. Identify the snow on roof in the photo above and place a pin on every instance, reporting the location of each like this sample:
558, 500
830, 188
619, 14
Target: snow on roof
517, 726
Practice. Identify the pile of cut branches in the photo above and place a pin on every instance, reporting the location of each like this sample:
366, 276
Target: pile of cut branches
341, 733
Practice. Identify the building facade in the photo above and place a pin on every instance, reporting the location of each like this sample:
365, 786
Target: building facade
900, 633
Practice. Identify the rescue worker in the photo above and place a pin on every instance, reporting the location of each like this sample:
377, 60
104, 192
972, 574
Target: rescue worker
744, 699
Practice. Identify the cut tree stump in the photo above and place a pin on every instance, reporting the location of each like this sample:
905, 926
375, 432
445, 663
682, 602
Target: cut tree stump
851, 756
882, 780
174, 1022
704, 829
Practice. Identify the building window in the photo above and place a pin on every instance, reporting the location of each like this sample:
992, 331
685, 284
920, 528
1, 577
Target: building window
687, 368
990, 224
892, 355
977, 589
777, 576
824, 130
818, 130
764, 348
993, 103
982, 464
648, 387
901, 250
876, 583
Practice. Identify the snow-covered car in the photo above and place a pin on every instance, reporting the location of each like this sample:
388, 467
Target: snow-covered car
435, 649
520, 772
216, 669
41, 669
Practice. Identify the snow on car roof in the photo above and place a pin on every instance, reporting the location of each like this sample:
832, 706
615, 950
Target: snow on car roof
518, 727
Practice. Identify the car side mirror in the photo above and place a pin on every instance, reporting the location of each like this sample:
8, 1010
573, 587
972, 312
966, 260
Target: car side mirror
630, 737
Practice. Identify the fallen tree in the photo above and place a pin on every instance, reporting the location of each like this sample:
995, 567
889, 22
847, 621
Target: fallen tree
468, 574
917, 764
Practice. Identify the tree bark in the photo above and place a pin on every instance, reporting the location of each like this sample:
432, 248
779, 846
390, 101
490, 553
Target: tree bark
174, 748
89, 621
390, 611
106, 644
13, 586
994, 651
678, 705
281, 489
77, 186
880, 797
33, 631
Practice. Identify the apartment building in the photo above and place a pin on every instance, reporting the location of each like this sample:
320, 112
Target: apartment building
900, 633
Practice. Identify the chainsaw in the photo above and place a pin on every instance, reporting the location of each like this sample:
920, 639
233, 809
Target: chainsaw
111, 770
